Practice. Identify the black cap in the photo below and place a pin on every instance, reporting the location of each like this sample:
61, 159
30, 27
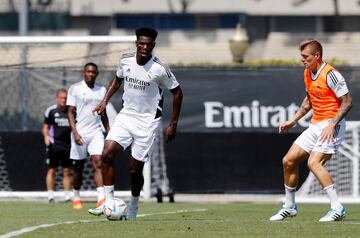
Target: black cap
146, 31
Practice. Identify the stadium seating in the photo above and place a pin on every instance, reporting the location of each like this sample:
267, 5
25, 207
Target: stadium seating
341, 46
183, 47
50, 55
191, 46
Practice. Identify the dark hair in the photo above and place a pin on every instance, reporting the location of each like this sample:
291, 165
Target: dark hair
146, 31
313, 43
91, 64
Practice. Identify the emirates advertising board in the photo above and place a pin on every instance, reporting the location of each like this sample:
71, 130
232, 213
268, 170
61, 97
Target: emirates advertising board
241, 99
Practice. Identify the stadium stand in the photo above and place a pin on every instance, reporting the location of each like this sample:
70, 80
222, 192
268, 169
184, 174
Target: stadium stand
53, 54
207, 46
284, 46
173, 46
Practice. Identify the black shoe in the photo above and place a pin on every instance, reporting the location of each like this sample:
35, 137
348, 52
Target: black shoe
171, 197
51, 200
159, 195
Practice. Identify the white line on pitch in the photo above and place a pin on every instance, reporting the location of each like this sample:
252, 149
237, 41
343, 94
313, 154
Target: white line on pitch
351, 223
33, 228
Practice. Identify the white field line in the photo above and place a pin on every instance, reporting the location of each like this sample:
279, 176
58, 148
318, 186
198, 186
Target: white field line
33, 228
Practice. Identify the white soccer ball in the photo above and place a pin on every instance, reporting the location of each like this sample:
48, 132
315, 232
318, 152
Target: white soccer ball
115, 209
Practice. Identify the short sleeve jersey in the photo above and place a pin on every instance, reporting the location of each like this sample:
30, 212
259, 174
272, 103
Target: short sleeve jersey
85, 99
59, 130
143, 85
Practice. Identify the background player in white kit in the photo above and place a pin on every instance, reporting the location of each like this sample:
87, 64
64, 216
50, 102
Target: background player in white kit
87, 137
144, 77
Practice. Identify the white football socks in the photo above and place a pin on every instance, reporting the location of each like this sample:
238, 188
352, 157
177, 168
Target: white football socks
67, 195
289, 196
100, 193
334, 201
76, 195
50, 194
109, 192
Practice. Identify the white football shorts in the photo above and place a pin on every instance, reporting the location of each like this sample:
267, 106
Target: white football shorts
309, 140
132, 130
92, 145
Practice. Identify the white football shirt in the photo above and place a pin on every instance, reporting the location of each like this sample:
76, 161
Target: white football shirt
143, 86
85, 99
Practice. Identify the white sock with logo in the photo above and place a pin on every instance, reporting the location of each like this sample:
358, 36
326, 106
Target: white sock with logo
109, 192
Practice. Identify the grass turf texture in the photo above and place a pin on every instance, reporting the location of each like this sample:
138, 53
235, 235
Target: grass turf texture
218, 220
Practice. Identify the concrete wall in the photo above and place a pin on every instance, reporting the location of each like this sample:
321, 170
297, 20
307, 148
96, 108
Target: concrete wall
251, 7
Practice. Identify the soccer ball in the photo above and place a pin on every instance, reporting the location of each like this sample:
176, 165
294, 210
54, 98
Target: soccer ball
115, 209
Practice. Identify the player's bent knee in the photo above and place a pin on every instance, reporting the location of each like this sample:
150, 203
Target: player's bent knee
107, 158
313, 165
66, 172
288, 163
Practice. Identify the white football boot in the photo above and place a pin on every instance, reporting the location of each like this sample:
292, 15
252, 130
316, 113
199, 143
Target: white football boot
284, 213
334, 215
98, 210
131, 211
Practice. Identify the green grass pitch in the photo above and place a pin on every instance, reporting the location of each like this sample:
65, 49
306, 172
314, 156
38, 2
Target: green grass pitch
40, 219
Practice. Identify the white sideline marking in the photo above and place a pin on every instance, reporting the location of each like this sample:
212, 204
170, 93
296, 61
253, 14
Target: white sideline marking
352, 223
166, 213
33, 228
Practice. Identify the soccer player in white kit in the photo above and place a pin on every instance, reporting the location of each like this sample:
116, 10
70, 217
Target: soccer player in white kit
329, 98
144, 77
87, 137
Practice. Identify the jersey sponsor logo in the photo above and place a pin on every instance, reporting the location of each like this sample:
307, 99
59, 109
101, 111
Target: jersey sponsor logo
217, 115
62, 122
136, 83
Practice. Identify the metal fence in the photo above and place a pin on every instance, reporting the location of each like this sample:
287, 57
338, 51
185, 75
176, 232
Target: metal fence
25, 99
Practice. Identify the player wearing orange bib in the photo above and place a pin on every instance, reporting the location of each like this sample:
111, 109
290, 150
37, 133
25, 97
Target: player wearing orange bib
327, 94
324, 101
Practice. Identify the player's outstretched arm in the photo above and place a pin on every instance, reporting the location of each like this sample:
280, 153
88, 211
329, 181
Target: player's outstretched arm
177, 101
303, 110
114, 85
